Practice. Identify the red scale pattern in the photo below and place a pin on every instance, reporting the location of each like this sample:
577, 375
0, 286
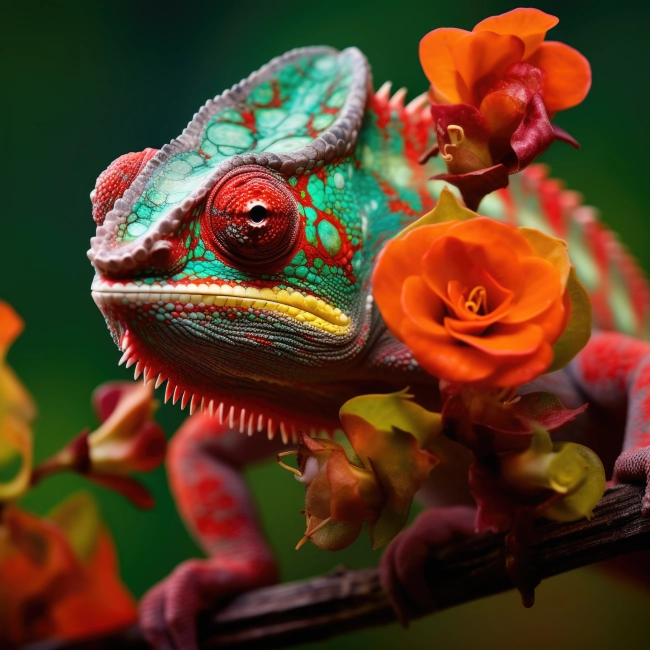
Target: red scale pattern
253, 218
116, 179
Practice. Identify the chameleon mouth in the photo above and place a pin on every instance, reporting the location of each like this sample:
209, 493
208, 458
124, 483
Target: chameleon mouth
165, 298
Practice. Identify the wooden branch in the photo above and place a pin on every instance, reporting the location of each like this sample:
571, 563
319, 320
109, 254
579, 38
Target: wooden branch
287, 614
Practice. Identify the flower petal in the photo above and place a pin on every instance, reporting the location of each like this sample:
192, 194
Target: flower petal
568, 75
481, 242
503, 340
11, 325
542, 289
552, 249
15, 440
530, 25
448, 360
474, 186
37, 565
101, 603
128, 487
334, 535
438, 64
78, 518
516, 374
399, 259
533, 136
142, 452
479, 54
131, 408
346, 503
423, 306
554, 319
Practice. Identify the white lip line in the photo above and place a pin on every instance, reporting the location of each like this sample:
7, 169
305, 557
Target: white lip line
154, 290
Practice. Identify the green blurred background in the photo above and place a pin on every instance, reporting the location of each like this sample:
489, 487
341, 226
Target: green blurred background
84, 83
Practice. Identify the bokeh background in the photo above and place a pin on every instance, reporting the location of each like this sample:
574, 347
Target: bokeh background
85, 82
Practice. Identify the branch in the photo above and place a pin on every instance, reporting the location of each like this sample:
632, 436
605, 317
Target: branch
287, 614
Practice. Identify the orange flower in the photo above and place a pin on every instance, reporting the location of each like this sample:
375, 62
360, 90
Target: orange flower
58, 576
478, 301
17, 412
494, 92
462, 66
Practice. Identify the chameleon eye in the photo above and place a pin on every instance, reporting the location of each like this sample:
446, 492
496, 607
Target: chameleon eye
253, 217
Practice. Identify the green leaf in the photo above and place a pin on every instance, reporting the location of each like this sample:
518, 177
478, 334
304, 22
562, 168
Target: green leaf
578, 329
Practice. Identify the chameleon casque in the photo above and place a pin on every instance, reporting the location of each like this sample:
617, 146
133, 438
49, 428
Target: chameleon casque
235, 264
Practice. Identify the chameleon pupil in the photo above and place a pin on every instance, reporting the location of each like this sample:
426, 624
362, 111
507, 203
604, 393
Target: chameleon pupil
252, 217
257, 213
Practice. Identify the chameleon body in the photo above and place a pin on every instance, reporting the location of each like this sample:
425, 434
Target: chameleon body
235, 264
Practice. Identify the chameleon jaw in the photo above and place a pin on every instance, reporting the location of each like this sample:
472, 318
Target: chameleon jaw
304, 308
248, 417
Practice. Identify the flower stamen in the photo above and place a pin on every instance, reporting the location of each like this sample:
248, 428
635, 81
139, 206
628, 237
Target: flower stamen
477, 300
508, 395
310, 533
288, 467
456, 136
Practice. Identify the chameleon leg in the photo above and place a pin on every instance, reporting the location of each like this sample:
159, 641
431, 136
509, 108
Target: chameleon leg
402, 564
614, 371
204, 467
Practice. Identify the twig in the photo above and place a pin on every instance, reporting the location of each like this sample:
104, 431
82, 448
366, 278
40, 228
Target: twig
287, 614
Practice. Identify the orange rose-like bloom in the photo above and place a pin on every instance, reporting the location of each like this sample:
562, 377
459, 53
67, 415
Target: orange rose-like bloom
462, 66
494, 93
477, 301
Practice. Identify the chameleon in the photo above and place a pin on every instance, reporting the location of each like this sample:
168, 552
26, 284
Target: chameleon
235, 265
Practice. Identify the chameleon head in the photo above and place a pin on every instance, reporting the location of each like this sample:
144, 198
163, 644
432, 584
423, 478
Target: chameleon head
231, 262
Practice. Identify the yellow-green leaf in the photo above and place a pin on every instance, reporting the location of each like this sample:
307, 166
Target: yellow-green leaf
583, 500
78, 517
15, 442
447, 209
541, 466
578, 329
400, 466
395, 411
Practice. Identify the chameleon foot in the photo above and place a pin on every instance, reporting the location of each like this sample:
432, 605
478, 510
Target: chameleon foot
402, 565
633, 466
168, 611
